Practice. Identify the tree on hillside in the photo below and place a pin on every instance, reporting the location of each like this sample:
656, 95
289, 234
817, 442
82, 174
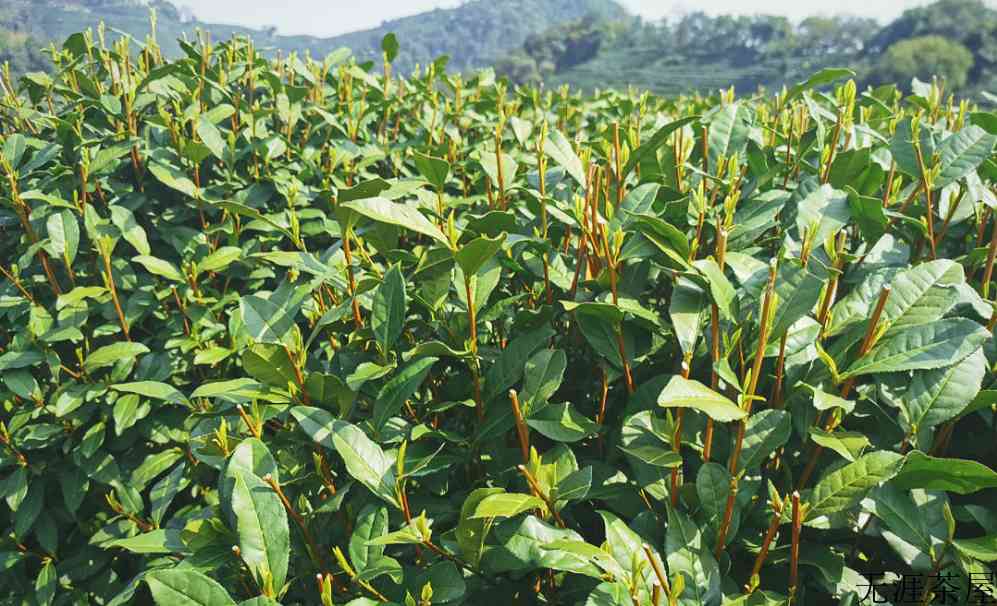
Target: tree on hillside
566, 45
971, 23
924, 57
555, 49
21, 52
821, 36
519, 68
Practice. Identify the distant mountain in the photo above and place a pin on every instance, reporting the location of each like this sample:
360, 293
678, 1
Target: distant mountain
40, 22
585, 43
474, 34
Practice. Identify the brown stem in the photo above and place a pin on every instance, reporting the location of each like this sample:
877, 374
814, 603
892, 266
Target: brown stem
627, 374
699, 236
677, 439
17, 283
253, 429
659, 571
326, 473
315, 554
789, 147
870, 334
522, 430
780, 367
903, 207
834, 147
867, 342
889, 184
580, 261
403, 500
927, 199
498, 159
721, 251
183, 311
983, 226
535, 487
706, 148
825, 306
756, 369
351, 280
714, 382
619, 163
472, 319
728, 515
449, 556
948, 217
114, 295
811, 466
21, 459
298, 377
794, 560
933, 576
23, 212
989, 271
766, 543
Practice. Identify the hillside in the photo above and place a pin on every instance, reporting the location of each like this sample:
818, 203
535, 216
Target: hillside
39, 22
956, 39
474, 34
587, 44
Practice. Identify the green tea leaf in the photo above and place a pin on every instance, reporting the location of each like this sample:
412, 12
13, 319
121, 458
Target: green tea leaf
960, 476
64, 234
159, 267
154, 390
562, 423
386, 211
392, 396
848, 485
364, 459
471, 256
434, 170
559, 149
388, 311
983, 549
544, 372
261, 523
505, 504
179, 587
848, 444
925, 346
110, 355
687, 393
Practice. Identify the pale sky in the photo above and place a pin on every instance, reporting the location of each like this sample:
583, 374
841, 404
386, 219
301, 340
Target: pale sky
330, 17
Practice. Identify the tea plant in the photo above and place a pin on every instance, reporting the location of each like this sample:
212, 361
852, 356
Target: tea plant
300, 332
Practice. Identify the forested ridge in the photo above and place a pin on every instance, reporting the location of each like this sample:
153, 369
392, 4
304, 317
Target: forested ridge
474, 34
954, 39
587, 44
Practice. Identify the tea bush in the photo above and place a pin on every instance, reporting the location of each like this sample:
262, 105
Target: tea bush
299, 332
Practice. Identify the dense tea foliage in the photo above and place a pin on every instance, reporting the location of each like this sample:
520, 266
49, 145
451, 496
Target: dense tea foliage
279, 331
